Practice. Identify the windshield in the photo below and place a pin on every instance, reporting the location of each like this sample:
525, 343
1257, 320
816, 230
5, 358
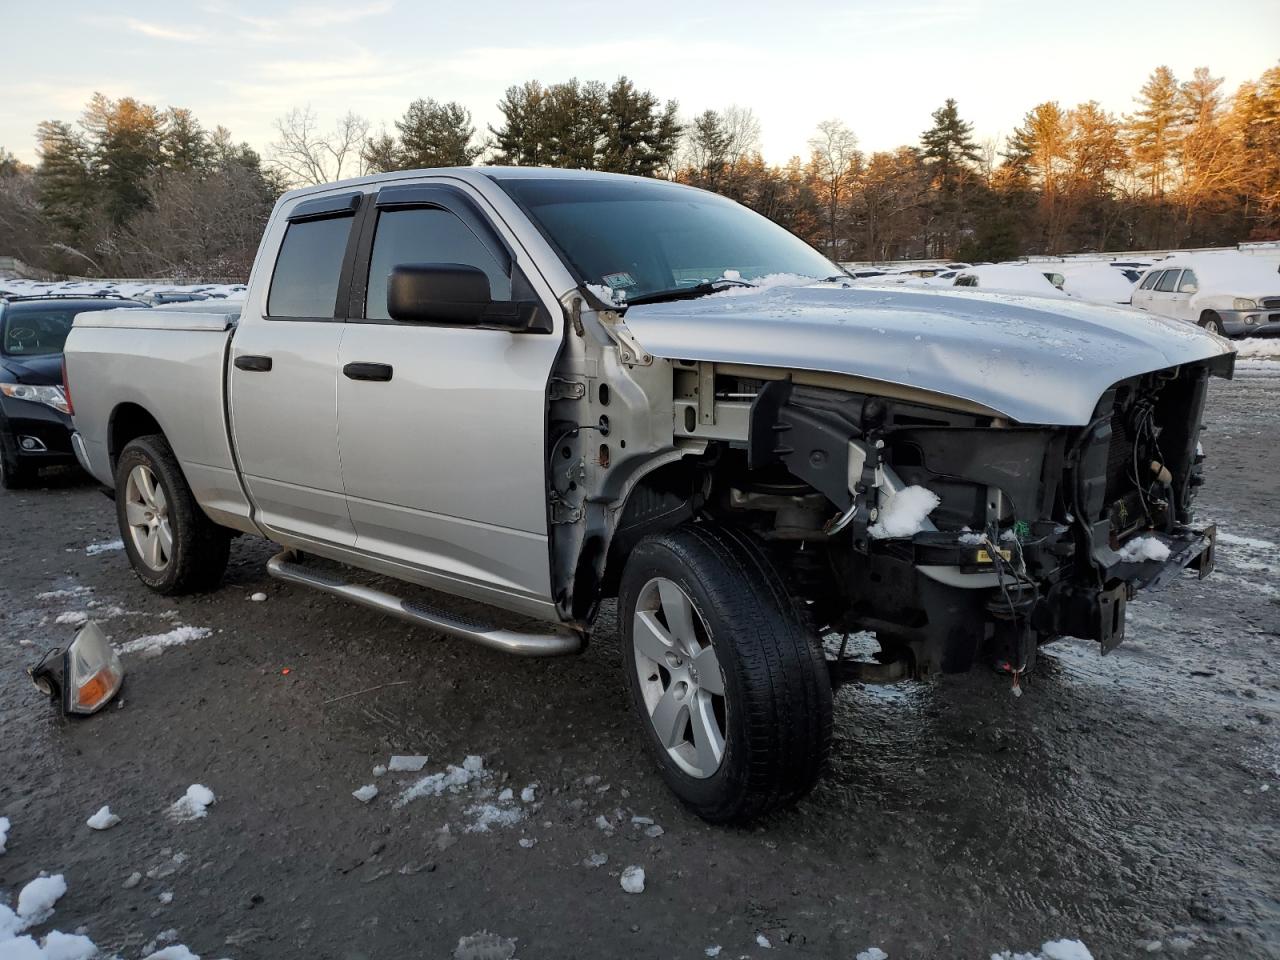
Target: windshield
40, 329
640, 238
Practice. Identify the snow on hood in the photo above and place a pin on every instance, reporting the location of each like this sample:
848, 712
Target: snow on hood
1033, 360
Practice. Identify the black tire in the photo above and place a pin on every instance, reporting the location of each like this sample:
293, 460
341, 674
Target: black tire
200, 547
777, 691
1212, 323
14, 474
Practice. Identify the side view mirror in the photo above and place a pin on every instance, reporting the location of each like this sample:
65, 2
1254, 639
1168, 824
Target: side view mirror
453, 294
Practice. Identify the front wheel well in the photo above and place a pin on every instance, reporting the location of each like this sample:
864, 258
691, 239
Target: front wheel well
128, 422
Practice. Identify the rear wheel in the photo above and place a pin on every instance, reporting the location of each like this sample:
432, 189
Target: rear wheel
732, 692
173, 546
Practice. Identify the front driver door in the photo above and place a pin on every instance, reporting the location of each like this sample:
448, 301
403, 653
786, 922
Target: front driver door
442, 428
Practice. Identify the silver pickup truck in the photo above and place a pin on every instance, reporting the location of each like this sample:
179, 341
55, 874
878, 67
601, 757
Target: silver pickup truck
540, 390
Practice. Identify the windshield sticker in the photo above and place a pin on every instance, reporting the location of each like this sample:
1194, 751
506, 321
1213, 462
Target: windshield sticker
619, 281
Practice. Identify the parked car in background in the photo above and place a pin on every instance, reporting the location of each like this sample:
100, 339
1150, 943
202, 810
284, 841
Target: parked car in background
1231, 294
1010, 278
1097, 282
35, 414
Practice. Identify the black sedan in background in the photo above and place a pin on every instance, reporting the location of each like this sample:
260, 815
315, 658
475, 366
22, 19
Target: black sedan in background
35, 423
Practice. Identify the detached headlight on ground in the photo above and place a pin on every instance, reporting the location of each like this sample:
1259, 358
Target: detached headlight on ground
84, 677
1244, 303
50, 396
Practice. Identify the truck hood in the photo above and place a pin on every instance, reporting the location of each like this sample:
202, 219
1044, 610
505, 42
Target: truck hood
1032, 360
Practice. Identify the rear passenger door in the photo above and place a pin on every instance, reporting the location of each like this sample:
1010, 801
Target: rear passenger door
283, 375
1142, 292
443, 452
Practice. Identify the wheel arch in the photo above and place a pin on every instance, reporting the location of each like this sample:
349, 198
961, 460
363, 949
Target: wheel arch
129, 421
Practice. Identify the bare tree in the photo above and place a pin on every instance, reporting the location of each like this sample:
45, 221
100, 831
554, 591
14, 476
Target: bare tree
304, 155
835, 160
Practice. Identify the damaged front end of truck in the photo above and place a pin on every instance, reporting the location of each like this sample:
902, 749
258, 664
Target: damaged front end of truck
965, 479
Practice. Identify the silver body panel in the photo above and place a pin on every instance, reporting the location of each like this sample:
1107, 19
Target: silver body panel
1032, 360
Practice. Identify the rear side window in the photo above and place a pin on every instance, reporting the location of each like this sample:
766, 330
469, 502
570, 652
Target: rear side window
1188, 283
966, 280
425, 235
1169, 282
1150, 279
309, 268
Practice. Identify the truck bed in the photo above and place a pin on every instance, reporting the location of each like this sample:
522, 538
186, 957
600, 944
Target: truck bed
169, 365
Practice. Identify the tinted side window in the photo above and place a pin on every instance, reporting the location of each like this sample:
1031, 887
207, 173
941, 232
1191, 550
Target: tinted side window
1150, 279
967, 280
1169, 282
1188, 283
309, 268
425, 235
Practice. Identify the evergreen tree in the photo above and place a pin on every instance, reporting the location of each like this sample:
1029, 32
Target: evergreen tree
639, 136
436, 134
949, 151
521, 139
126, 139
1154, 128
65, 176
381, 154
184, 144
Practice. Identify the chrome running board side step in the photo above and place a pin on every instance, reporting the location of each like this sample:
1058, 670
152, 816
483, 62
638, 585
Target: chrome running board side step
528, 644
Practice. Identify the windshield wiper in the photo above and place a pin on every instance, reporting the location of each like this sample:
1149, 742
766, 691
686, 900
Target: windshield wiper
687, 293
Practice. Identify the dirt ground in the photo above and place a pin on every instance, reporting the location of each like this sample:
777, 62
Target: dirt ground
1129, 801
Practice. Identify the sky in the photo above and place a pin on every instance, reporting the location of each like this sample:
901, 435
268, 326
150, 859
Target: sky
882, 68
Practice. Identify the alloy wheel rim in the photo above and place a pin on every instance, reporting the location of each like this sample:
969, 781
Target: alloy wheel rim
681, 682
146, 512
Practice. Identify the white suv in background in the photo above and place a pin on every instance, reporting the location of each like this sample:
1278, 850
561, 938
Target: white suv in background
1231, 294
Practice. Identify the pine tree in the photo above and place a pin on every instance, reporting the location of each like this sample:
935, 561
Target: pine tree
436, 134
1154, 127
126, 138
639, 137
184, 144
65, 176
521, 139
949, 152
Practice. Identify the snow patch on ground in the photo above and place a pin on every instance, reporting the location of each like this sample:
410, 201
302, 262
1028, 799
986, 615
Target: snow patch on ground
104, 546
5, 826
66, 594
72, 617
1265, 348
632, 880
904, 513
450, 780
365, 793
400, 764
872, 953
104, 819
176, 952
1052, 950
484, 946
192, 805
1143, 548
487, 815
157, 643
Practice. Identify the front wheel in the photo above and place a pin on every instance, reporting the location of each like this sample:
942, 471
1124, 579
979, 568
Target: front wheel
14, 474
732, 690
173, 546
1212, 324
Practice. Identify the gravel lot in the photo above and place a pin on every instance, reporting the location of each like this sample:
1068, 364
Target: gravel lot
1122, 801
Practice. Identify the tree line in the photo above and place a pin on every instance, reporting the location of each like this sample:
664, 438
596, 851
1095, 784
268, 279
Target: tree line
132, 189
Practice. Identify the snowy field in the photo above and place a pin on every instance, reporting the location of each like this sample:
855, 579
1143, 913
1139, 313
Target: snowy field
290, 776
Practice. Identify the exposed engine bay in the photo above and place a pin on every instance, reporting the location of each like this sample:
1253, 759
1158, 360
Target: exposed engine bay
1029, 533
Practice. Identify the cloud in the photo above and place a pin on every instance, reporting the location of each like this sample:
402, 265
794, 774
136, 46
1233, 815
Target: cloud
164, 32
